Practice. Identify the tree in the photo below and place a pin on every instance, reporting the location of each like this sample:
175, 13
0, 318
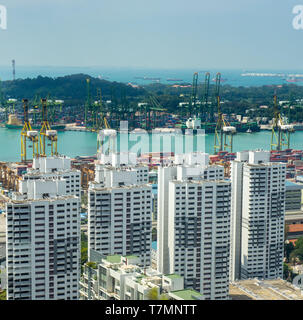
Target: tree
297, 253
92, 265
154, 295
3, 295
84, 254
154, 234
286, 271
84, 199
288, 249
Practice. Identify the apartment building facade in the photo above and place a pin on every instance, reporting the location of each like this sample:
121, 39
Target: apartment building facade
120, 209
258, 209
43, 239
194, 224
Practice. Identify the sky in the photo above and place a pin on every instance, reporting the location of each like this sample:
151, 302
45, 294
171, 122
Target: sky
229, 34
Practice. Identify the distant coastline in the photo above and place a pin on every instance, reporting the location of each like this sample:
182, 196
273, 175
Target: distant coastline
145, 75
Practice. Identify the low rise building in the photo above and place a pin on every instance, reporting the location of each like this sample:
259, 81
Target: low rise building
293, 196
256, 289
118, 277
294, 232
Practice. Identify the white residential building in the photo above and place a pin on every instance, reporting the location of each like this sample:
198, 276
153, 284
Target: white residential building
120, 208
194, 224
54, 167
43, 237
120, 278
257, 223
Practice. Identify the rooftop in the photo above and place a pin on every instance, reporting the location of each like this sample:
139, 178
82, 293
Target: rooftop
95, 186
254, 289
131, 257
114, 258
202, 182
290, 185
295, 227
187, 294
173, 276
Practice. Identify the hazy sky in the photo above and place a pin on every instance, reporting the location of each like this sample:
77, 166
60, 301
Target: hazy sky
241, 34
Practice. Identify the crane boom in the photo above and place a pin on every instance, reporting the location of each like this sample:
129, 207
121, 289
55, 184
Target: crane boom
204, 108
193, 98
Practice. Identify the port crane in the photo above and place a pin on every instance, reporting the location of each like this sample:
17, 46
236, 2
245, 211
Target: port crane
217, 94
101, 137
27, 133
112, 109
123, 108
92, 109
100, 119
3, 102
98, 112
11, 105
193, 98
36, 103
205, 113
153, 106
53, 106
280, 136
223, 132
88, 106
46, 133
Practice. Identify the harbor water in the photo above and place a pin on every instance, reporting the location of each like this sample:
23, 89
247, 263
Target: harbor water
73, 143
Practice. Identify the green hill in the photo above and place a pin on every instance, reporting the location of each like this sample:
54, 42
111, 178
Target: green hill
72, 88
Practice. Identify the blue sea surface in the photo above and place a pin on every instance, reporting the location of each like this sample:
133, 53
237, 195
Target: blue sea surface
136, 75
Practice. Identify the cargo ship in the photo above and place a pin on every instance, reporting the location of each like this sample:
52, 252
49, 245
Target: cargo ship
174, 80
14, 123
148, 78
210, 127
294, 80
298, 126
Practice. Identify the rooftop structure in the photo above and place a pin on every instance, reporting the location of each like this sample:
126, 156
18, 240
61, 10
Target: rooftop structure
120, 278
254, 289
186, 295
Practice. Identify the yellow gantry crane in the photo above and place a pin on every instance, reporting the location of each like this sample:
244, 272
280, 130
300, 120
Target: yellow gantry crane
46, 133
280, 136
224, 131
28, 133
100, 140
